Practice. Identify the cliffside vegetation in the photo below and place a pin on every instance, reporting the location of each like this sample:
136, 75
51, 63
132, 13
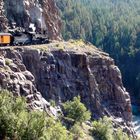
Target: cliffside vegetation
112, 25
18, 123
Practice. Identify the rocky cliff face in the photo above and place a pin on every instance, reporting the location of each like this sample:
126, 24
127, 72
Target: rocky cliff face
3, 20
39, 14
16, 78
61, 71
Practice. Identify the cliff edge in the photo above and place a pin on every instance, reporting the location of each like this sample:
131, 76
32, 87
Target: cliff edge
60, 71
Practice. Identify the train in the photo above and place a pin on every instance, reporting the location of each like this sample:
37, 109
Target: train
22, 38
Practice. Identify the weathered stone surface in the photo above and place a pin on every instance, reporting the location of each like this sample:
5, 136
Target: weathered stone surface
2, 62
60, 73
3, 19
15, 77
43, 15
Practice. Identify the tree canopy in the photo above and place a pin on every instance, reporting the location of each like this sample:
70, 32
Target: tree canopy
112, 25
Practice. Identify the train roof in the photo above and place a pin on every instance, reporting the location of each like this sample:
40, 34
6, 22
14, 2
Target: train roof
5, 34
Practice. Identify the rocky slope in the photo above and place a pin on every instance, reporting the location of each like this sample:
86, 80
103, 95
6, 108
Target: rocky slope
62, 70
16, 78
42, 15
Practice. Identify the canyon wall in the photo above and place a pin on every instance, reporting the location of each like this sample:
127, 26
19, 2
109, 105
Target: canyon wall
39, 14
61, 71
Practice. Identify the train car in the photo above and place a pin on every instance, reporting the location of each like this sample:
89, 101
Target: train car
18, 38
5, 38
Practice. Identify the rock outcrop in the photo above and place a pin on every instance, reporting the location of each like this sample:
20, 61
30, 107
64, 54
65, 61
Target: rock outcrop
42, 15
3, 19
16, 78
61, 71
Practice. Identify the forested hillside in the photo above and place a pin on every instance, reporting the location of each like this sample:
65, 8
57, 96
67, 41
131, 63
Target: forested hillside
112, 25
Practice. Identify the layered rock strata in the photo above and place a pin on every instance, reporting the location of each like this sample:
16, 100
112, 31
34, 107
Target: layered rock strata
16, 78
62, 70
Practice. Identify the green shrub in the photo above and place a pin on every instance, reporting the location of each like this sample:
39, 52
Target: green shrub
10, 114
76, 110
120, 135
17, 123
77, 131
103, 129
57, 131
